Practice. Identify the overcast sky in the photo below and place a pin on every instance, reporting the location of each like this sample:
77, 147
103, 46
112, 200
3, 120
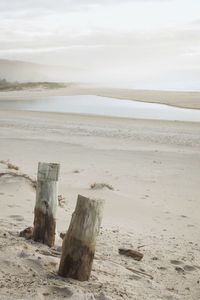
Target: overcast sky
135, 43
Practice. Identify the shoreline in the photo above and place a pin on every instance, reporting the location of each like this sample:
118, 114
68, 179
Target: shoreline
189, 100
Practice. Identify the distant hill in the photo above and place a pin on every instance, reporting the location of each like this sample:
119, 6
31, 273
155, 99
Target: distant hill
13, 70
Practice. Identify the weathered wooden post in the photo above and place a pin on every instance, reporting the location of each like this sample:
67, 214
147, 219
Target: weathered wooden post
46, 203
80, 240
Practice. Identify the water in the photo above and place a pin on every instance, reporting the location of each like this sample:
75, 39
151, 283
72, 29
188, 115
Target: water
104, 106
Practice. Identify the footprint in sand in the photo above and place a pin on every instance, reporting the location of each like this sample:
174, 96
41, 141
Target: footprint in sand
162, 268
134, 277
76, 171
190, 225
55, 293
176, 262
189, 268
170, 298
101, 296
179, 270
17, 218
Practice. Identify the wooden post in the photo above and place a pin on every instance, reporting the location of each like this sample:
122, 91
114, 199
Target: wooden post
79, 242
46, 203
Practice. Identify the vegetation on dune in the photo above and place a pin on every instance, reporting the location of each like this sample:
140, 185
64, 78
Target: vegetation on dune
99, 186
17, 86
9, 165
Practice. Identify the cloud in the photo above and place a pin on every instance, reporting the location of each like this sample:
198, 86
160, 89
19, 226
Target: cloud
68, 5
117, 35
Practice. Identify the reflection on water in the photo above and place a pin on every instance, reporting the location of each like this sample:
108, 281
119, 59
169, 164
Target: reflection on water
104, 106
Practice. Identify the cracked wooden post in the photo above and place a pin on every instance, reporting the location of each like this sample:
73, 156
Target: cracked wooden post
80, 240
46, 203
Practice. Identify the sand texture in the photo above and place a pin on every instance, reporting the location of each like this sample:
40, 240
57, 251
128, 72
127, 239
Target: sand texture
148, 174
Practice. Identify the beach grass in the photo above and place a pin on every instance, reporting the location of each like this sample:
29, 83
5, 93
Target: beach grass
16, 86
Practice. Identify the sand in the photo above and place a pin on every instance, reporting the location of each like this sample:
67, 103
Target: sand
153, 167
173, 98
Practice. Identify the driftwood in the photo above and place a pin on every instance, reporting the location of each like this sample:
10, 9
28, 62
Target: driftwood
46, 203
80, 240
136, 255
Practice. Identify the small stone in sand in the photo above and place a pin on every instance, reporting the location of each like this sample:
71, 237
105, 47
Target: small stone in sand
62, 235
27, 233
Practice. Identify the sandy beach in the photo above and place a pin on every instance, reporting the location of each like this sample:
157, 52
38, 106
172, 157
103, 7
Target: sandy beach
99, 150
153, 167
